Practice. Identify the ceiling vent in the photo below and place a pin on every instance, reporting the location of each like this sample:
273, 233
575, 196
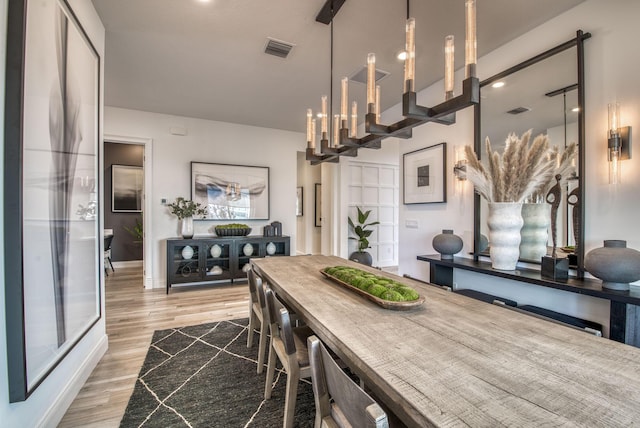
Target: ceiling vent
519, 110
278, 48
360, 76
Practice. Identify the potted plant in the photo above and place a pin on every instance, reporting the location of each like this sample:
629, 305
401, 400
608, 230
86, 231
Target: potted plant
362, 232
136, 231
185, 209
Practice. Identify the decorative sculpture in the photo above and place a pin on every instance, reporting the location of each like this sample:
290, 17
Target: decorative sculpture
553, 197
574, 200
554, 267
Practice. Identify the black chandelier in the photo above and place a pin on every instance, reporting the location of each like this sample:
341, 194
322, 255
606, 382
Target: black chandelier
344, 141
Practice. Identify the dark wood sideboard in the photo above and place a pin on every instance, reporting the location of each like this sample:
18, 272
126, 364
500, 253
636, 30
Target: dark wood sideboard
624, 305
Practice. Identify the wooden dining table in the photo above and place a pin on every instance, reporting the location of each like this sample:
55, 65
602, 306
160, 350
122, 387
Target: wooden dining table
455, 361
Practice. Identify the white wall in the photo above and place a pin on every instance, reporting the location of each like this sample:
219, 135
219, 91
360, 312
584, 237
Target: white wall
309, 236
611, 65
208, 141
48, 403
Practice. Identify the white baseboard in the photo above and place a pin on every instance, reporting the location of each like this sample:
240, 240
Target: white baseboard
128, 263
59, 407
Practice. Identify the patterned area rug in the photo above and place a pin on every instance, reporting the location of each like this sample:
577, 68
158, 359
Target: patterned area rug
205, 376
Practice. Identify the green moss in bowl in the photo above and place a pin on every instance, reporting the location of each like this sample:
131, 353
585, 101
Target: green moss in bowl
375, 285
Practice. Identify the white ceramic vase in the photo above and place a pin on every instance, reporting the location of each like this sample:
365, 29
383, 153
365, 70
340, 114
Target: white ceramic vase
247, 249
187, 253
505, 222
187, 228
215, 251
534, 235
271, 248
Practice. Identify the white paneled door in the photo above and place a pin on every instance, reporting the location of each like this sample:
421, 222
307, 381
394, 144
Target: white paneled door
375, 187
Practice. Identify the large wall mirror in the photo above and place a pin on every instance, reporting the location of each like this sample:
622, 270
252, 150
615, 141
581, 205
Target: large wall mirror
545, 94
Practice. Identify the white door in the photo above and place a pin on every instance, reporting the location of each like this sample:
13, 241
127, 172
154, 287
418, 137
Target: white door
375, 187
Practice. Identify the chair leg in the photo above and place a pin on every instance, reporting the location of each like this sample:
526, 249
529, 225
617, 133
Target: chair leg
111, 264
271, 368
252, 323
290, 398
262, 345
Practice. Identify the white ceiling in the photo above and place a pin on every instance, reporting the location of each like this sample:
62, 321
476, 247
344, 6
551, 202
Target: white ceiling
206, 60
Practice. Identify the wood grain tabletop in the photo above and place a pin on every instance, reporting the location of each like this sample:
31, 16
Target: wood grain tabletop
456, 361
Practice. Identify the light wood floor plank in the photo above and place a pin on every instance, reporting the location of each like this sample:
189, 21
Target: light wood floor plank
132, 314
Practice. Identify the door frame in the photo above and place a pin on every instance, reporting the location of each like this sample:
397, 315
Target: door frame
147, 245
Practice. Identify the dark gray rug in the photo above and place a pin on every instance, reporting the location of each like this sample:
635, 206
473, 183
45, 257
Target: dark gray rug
205, 376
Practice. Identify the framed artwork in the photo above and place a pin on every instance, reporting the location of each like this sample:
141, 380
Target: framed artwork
425, 180
318, 205
52, 245
127, 186
231, 191
299, 201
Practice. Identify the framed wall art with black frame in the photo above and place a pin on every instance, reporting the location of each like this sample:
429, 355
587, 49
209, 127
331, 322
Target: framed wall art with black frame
231, 192
127, 187
299, 201
318, 205
424, 175
51, 222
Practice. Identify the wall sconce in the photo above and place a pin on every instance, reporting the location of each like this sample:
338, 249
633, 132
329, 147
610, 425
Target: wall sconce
460, 167
619, 143
459, 171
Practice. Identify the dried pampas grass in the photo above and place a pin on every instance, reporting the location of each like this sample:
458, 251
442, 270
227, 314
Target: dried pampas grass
564, 166
522, 169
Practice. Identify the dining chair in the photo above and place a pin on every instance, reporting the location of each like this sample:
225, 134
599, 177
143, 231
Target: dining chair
289, 345
339, 401
107, 253
257, 314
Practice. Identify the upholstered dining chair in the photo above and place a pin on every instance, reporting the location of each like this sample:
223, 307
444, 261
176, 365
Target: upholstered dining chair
339, 401
289, 345
257, 314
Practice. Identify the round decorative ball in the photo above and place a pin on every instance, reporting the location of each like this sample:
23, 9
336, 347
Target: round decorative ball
247, 249
216, 250
447, 244
271, 248
615, 264
187, 252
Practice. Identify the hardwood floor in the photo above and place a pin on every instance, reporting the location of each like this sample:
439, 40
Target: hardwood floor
132, 314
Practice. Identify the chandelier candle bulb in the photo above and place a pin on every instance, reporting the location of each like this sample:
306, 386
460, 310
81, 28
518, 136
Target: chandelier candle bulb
410, 60
354, 119
371, 82
448, 66
336, 130
313, 134
344, 101
377, 109
323, 123
309, 118
470, 42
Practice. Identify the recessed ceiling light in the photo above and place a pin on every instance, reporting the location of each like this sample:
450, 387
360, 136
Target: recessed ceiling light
498, 85
575, 109
402, 55
204, 1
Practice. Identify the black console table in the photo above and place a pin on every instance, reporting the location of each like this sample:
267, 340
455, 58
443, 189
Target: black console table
623, 304
200, 262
